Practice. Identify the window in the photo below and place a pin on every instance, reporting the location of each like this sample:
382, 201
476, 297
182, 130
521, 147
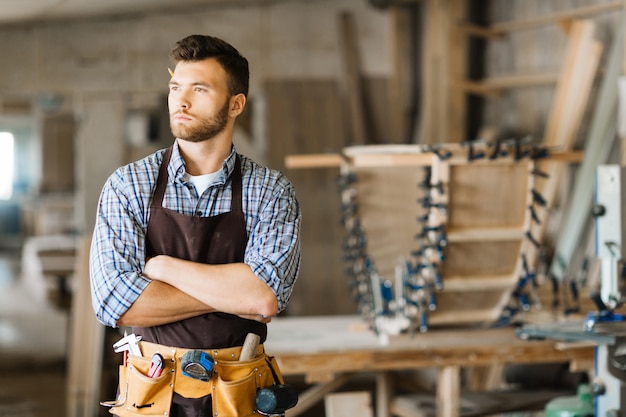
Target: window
6, 165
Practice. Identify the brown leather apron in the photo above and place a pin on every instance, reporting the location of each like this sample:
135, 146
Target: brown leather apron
218, 239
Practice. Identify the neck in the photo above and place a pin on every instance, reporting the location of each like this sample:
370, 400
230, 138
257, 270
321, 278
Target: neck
203, 157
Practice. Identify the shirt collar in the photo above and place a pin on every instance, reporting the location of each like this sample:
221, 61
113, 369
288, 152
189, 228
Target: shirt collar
176, 168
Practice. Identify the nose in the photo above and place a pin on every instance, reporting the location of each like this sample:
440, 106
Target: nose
183, 103
179, 101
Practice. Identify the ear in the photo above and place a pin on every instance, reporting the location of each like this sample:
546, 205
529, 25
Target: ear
237, 104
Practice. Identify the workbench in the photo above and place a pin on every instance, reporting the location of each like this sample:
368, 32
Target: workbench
332, 349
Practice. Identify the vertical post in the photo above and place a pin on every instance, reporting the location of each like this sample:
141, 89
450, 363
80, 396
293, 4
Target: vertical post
383, 394
448, 391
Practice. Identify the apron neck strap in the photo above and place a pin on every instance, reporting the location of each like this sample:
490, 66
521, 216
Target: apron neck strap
159, 193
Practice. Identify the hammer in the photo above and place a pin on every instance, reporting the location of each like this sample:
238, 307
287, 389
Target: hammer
274, 400
250, 347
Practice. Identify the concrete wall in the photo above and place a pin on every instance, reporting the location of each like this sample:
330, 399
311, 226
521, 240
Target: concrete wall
104, 68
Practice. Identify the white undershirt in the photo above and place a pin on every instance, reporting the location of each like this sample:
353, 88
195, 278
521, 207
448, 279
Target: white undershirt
202, 182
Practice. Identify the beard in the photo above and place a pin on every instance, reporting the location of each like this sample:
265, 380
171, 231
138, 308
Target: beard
208, 128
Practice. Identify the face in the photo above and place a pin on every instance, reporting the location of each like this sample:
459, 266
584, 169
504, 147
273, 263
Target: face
198, 100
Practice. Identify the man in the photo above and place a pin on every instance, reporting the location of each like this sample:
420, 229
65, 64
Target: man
196, 246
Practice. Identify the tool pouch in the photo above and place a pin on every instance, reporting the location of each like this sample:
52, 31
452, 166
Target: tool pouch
236, 384
141, 395
233, 384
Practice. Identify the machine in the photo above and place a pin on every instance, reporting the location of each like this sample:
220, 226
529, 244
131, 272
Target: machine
604, 327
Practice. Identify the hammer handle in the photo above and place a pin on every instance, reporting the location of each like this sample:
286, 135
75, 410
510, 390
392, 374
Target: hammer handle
250, 347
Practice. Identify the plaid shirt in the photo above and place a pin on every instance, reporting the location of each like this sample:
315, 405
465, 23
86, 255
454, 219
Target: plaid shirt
118, 252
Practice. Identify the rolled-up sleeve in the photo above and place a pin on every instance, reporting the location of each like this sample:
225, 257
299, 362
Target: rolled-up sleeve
117, 254
273, 250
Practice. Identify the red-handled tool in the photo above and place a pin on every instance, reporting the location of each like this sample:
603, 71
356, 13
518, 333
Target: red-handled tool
156, 367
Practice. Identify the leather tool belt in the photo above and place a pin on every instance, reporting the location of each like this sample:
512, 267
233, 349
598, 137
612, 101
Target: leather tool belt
233, 383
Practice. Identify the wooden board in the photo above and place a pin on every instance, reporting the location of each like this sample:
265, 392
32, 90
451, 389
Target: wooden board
85, 345
305, 116
338, 344
348, 404
57, 153
443, 105
388, 210
480, 258
569, 105
487, 195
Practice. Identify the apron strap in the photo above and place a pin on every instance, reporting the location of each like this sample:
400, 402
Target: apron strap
157, 200
236, 185
159, 193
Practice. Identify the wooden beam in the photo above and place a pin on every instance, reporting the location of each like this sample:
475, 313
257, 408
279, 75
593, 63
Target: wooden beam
502, 28
352, 75
386, 160
85, 346
448, 391
349, 404
493, 86
314, 161
402, 159
568, 107
479, 282
401, 81
485, 234
454, 118
600, 139
315, 394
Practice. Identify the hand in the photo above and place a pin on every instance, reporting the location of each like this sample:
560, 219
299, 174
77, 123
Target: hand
152, 268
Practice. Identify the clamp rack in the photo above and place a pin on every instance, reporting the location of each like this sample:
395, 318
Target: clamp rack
440, 235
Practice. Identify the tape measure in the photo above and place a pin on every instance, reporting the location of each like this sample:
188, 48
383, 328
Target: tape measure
197, 364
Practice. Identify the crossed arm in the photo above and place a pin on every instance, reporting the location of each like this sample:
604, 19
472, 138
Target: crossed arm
182, 289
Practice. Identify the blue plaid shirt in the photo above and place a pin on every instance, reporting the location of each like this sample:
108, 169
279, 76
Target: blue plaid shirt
118, 252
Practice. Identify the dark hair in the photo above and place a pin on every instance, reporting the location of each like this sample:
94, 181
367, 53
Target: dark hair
200, 47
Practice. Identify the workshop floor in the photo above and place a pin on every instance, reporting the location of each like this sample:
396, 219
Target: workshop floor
32, 348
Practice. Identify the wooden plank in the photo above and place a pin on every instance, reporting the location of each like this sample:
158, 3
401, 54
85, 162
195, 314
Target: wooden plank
568, 106
57, 153
453, 120
488, 196
401, 81
86, 344
380, 159
460, 309
485, 234
483, 282
480, 257
327, 344
349, 404
314, 394
314, 161
577, 75
393, 160
434, 70
493, 86
600, 139
384, 393
304, 116
443, 107
382, 191
352, 75
448, 391
501, 28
